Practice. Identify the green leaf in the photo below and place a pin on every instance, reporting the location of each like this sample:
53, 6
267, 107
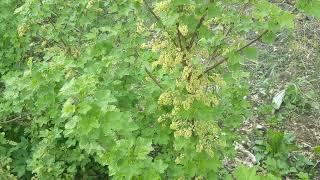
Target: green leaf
68, 108
72, 123
104, 99
286, 20
235, 59
250, 52
303, 176
317, 150
83, 108
160, 166
118, 121
102, 48
213, 10
180, 2
245, 173
269, 37
143, 148
311, 7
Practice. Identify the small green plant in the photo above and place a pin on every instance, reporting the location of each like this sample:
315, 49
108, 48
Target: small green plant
317, 150
247, 173
267, 112
298, 101
276, 154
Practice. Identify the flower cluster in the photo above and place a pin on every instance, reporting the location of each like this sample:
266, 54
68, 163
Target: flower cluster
140, 26
208, 22
90, 4
179, 159
199, 178
182, 128
218, 79
207, 132
197, 86
161, 6
190, 8
168, 59
22, 29
165, 98
183, 29
158, 44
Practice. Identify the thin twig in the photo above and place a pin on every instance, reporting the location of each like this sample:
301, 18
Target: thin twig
226, 58
55, 29
253, 41
214, 53
63, 42
152, 12
316, 165
13, 120
159, 21
228, 31
153, 78
179, 36
197, 29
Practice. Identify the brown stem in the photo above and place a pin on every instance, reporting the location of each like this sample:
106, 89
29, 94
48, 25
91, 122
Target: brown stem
54, 27
228, 31
152, 12
214, 53
62, 41
253, 41
158, 20
179, 36
153, 78
13, 120
184, 61
226, 58
193, 37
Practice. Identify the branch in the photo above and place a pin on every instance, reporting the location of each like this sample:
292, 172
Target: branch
253, 41
226, 58
13, 120
228, 31
196, 30
159, 20
214, 53
179, 36
152, 12
153, 78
